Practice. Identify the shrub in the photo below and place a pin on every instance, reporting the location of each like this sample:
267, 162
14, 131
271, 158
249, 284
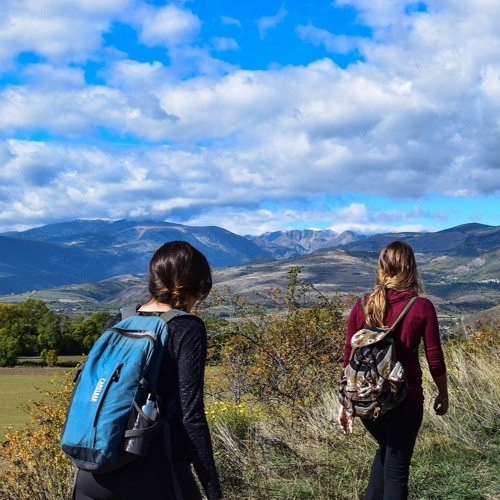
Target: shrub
32, 466
484, 335
286, 355
49, 356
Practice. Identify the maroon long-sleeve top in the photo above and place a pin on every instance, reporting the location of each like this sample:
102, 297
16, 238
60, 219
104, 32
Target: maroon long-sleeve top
419, 324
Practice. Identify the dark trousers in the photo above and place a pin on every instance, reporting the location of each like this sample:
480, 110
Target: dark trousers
133, 486
395, 433
148, 478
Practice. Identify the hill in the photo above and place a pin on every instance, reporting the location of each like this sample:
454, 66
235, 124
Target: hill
458, 285
84, 265
91, 250
465, 240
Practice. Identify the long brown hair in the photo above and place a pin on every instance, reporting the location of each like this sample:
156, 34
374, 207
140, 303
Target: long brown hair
396, 270
178, 271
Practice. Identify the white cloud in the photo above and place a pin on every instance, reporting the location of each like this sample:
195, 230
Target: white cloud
341, 44
50, 76
57, 30
222, 44
358, 217
418, 117
168, 26
269, 22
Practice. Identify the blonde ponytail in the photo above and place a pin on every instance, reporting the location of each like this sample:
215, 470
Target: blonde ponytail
396, 270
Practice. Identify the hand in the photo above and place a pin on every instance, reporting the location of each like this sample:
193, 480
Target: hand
345, 421
441, 405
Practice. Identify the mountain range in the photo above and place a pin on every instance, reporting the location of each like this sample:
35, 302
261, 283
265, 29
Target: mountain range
284, 244
84, 251
98, 260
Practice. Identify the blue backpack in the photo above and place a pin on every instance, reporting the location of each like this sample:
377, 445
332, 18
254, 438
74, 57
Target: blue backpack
105, 427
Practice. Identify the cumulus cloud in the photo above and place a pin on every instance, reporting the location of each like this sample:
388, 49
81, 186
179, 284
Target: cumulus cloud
55, 30
190, 137
168, 26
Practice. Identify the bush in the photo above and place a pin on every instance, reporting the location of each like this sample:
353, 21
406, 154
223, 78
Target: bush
483, 336
49, 356
285, 356
32, 466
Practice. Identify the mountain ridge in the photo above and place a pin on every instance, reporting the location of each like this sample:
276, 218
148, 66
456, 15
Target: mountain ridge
465, 239
107, 249
89, 251
283, 244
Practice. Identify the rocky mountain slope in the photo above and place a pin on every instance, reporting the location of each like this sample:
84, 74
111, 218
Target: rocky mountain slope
284, 244
88, 263
90, 250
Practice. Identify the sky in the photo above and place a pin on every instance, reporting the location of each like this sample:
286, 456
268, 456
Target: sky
363, 115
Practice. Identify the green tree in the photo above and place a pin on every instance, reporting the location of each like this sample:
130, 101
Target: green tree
51, 329
26, 321
85, 331
10, 347
287, 354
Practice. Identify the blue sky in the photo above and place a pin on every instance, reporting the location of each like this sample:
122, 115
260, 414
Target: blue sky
367, 115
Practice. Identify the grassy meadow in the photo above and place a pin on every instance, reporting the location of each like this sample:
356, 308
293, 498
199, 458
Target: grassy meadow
18, 386
266, 453
23, 384
271, 403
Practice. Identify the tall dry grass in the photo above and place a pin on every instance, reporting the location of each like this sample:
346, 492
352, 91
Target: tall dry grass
456, 456
308, 458
474, 397
266, 452
281, 456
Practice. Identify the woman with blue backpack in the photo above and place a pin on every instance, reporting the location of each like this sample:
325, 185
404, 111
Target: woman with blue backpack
394, 425
179, 278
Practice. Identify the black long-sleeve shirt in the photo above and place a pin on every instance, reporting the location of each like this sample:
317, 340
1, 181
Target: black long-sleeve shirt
180, 387
182, 377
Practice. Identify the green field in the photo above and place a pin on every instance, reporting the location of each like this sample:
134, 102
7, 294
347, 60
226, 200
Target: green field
19, 385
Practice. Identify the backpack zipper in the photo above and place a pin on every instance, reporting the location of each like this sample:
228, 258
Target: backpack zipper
137, 334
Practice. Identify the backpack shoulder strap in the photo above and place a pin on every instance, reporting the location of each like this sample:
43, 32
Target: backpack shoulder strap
127, 312
401, 315
405, 309
167, 316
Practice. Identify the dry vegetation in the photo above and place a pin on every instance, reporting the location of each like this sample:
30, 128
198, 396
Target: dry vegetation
271, 404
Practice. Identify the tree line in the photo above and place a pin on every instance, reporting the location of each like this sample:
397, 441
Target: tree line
30, 328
